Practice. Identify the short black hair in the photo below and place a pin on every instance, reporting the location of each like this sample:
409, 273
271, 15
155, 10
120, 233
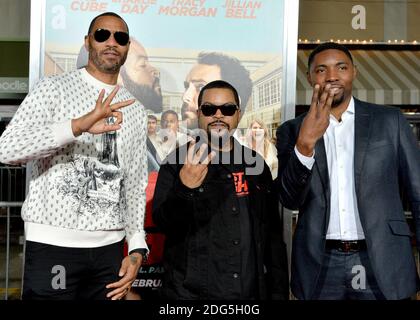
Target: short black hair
219, 84
164, 114
231, 71
151, 116
327, 46
106, 14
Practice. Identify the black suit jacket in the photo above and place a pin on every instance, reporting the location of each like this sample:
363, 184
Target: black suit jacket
386, 157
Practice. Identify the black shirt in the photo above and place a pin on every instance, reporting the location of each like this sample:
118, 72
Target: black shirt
237, 232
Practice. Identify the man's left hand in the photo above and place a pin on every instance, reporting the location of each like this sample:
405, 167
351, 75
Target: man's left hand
129, 270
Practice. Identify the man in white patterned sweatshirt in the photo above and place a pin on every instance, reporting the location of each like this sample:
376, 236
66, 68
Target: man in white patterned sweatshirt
86, 140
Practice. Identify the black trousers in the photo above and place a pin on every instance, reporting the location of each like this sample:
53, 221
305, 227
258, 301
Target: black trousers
61, 273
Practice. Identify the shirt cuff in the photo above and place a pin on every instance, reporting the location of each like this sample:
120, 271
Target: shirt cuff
308, 162
63, 132
137, 241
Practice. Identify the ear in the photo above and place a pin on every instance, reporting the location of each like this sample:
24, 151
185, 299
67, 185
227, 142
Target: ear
87, 43
354, 72
308, 77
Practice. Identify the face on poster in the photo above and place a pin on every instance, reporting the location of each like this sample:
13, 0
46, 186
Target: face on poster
177, 46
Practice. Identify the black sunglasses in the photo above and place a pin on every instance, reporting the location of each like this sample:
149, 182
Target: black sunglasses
227, 109
101, 35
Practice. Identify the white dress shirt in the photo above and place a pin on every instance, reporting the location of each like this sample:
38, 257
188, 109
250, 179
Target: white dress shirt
344, 221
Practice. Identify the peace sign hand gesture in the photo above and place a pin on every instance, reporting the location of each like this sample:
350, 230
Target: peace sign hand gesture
194, 170
95, 121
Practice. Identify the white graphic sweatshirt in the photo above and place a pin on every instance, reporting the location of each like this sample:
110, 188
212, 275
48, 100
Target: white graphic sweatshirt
87, 191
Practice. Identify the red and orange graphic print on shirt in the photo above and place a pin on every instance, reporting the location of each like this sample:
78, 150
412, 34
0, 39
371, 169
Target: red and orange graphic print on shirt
241, 184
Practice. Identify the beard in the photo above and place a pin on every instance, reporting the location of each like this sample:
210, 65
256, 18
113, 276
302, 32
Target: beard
218, 137
184, 109
145, 94
190, 119
100, 63
337, 100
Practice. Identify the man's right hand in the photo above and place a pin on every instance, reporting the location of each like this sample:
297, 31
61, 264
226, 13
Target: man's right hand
95, 121
316, 121
194, 171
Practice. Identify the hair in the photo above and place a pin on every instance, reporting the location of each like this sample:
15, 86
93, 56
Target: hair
327, 46
164, 114
106, 14
249, 138
232, 71
219, 84
152, 117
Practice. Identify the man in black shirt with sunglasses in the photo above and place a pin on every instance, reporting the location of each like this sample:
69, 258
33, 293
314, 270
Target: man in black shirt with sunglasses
87, 192
215, 204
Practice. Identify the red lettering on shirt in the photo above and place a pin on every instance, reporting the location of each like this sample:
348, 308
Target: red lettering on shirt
241, 184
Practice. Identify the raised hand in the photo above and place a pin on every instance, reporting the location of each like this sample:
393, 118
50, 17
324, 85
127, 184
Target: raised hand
95, 121
194, 170
316, 121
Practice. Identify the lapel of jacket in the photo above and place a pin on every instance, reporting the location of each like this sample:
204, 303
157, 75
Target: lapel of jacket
361, 139
321, 166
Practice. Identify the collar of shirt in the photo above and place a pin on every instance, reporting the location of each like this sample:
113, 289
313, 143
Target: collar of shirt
96, 82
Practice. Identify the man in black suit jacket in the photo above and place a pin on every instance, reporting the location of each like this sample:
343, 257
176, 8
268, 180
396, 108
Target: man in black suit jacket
342, 165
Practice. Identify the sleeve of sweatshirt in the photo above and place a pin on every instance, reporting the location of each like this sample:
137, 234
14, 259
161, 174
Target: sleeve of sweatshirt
136, 183
32, 133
